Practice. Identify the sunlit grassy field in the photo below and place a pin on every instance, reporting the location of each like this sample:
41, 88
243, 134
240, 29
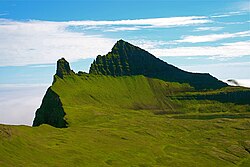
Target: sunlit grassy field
131, 121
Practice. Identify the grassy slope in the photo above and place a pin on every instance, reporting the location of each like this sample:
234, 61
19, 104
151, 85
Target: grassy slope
119, 122
105, 94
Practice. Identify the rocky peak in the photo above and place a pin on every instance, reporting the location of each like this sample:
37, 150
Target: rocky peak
127, 59
119, 44
63, 68
124, 48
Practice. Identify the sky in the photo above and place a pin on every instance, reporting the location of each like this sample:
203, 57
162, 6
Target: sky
207, 36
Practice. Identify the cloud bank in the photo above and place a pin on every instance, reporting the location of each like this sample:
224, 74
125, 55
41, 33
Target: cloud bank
226, 50
147, 23
208, 28
212, 37
41, 42
18, 103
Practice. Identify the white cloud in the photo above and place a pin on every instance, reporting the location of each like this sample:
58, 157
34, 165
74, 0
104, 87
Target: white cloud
228, 14
212, 37
116, 29
208, 28
226, 50
138, 24
232, 23
147, 23
42, 42
18, 103
223, 15
42, 66
149, 44
223, 71
244, 82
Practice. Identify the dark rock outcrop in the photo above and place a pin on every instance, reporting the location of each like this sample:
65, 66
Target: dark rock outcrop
51, 111
233, 81
63, 68
127, 59
238, 97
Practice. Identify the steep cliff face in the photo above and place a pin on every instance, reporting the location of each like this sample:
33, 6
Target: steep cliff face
127, 59
51, 111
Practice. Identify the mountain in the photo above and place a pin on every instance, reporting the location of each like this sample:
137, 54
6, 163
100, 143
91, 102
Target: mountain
131, 120
126, 59
129, 77
129, 92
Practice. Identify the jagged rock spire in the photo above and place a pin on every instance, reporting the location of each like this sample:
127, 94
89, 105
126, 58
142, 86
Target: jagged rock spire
63, 68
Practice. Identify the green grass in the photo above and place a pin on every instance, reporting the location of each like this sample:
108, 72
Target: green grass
130, 121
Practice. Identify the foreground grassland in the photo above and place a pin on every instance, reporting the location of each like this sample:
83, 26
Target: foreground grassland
131, 121
129, 138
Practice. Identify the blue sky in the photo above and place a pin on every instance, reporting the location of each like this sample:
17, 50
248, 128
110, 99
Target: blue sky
200, 36
34, 34
113, 9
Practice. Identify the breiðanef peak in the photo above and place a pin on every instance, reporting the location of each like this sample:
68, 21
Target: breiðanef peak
126, 59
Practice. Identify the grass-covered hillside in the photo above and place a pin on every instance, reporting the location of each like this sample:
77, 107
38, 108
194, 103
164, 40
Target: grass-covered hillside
129, 121
126, 112
76, 92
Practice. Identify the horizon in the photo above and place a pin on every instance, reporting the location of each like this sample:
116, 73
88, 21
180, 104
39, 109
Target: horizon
208, 37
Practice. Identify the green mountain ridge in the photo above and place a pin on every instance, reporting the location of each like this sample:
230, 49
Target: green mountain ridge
106, 120
127, 59
127, 86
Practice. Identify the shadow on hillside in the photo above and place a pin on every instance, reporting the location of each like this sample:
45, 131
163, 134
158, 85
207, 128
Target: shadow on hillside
212, 116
